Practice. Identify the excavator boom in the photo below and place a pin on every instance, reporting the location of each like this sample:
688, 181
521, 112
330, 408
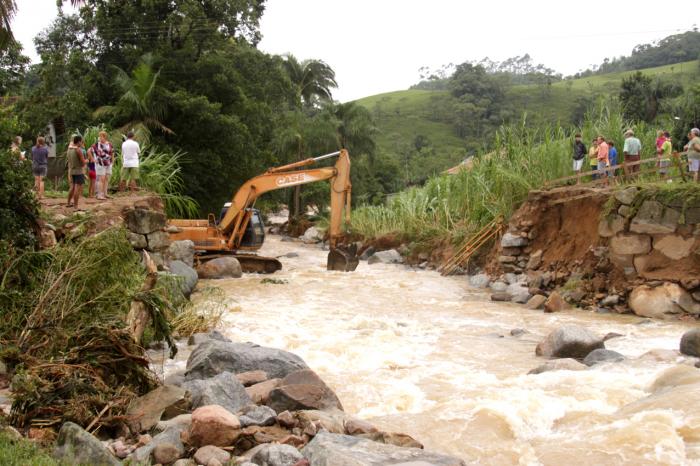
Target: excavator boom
232, 233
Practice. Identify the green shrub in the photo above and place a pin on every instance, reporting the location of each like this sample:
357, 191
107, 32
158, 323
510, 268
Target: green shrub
18, 206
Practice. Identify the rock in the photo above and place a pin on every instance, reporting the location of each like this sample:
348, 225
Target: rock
165, 401
516, 332
367, 253
181, 422
213, 425
480, 280
610, 226
251, 377
519, 293
566, 364
158, 240
690, 284
221, 267
690, 342
170, 436
285, 419
76, 446
136, 240
312, 235
257, 416
498, 286
182, 250
205, 454
358, 426
393, 438
500, 296
555, 303
611, 335
329, 449
535, 260
165, 453
610, 300
260, 392
510, 240
507, 259
602, 355
185, 462
662, 302
143, 221
276, 455
197, 338
390, 256
515, 279
625, 210
630, 244
223, 390
626, 196
213, 357
654, 219
303, 390
188, 276
569, 341
674, 246
10, 432
536, 302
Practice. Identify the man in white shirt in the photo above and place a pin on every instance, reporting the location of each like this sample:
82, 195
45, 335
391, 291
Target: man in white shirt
130, 162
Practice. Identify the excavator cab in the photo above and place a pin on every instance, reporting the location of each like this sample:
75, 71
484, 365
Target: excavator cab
254, 234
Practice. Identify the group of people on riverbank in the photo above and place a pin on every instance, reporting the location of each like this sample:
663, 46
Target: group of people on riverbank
94, 162
603, 156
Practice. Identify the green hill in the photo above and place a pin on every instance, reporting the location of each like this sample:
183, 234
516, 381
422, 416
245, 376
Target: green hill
411, 118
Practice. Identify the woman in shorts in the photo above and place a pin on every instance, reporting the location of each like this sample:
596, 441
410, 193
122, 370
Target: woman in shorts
40, 165
103, 152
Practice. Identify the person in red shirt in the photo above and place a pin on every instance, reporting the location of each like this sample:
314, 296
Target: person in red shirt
603, 160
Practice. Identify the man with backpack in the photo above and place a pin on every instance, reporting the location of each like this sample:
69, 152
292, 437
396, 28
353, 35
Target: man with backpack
580, 152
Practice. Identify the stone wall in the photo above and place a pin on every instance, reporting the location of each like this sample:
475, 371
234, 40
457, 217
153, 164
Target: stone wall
628, 251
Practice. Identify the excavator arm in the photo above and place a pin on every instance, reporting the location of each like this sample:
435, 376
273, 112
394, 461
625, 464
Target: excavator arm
228, 234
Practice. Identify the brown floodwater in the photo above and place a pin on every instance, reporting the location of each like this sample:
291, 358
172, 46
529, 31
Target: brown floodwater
427, 355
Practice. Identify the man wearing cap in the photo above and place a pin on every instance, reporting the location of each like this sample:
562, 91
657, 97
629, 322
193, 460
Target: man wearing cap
632, 150
693, 149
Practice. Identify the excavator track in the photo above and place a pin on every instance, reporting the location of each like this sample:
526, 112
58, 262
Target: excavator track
250, 263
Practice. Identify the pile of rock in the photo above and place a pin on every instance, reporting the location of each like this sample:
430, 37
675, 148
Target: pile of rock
246, 403
515, 250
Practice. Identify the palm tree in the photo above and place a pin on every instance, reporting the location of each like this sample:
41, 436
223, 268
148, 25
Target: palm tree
313, 79
138, 108
355, 130
8, 9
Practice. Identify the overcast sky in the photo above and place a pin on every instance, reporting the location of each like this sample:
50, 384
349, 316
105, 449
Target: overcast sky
377, 46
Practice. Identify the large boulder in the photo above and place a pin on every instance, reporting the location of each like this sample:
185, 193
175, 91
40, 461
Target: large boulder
221, 267
519, 293
213, 425
662, 302
213, 357
344, 450
480, 280
510, 240
555, 303
205, 454
602, 355
674, 247
654, 219
257, 416
188, 276
223, 390
276, 455
611, 226
144, 221
690, 342
312, 235
77, 446
630, 244
390, 256
158, 240
569, 341
165, 401
303, 390
182, 250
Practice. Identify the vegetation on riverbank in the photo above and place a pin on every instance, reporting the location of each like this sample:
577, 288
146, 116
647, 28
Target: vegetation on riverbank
525, 156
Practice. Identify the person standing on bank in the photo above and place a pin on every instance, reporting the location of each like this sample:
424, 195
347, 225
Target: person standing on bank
40, 165
76, 164
632, 150
603, 160
130, 162
693, 149
580, 152
103, 151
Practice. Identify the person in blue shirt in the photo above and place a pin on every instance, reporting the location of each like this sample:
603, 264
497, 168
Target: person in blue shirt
612, 157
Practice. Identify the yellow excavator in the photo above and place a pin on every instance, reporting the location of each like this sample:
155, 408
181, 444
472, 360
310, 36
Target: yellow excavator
239, 230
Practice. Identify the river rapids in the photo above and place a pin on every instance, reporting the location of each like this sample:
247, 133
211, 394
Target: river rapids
426, 355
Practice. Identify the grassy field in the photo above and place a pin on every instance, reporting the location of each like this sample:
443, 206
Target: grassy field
403, 115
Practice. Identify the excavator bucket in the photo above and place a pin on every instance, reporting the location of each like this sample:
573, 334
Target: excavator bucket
343, 258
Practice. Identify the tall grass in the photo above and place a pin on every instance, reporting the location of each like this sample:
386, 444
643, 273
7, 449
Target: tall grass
523, 158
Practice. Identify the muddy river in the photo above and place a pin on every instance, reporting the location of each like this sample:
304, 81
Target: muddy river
429, 356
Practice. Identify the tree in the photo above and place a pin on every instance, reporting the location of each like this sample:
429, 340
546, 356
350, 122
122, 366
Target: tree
641, 97
13, 67
139, 108
313, 79
8, 8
